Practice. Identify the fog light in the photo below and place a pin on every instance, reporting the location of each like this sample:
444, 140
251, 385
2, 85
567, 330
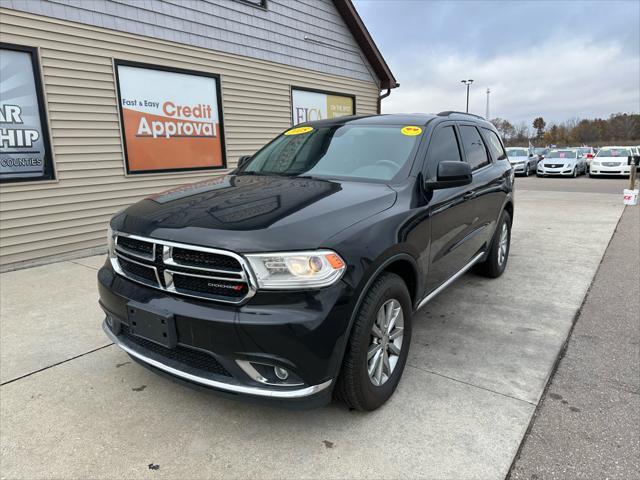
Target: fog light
109, 321
281, 373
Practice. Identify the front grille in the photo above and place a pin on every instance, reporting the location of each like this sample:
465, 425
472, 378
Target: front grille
611, 164
195, 258
188, 284
199, 272
138, 271
186, 356
136, 247
554, 165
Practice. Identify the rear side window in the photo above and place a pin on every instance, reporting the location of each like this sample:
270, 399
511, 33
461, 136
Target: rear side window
474, 147
444, 146
495, 145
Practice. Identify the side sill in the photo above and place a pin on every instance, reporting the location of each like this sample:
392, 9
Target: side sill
457, 275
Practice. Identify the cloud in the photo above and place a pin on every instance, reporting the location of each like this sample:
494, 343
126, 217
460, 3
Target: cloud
559, 79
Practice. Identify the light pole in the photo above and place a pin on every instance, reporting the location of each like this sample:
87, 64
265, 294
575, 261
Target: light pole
488, 92
468, 84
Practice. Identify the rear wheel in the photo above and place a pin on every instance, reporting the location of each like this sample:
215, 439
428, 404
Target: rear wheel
378, 346
496, 260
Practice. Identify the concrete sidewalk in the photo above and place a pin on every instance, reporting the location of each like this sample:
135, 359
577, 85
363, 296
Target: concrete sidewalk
73, 406
588, 425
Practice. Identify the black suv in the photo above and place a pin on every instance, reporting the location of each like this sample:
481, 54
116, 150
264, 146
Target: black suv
298, 274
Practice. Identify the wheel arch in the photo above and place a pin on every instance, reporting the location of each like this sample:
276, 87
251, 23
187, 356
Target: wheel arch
402, 264
508, 206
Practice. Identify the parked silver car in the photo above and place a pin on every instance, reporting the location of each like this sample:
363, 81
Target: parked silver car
587, 153
564, 162
522, 161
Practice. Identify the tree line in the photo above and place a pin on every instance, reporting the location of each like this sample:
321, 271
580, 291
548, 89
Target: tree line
618, 129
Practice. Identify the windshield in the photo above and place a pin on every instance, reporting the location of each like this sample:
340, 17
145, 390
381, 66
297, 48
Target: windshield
368, 152
517, 152
562, 154
583, 150
540, 151
614, 152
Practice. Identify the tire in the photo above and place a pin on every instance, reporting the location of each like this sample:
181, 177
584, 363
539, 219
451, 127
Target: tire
355, 387
527, 171
496, 261
574, 174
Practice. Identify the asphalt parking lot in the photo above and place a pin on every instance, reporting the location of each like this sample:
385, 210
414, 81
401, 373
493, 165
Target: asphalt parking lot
72, 405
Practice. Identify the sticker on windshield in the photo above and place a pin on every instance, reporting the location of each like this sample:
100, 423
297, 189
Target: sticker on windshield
411, 131
298, 131
562, 154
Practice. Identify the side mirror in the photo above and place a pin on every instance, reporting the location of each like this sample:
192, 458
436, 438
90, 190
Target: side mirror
243, 160
451, 174
531, 155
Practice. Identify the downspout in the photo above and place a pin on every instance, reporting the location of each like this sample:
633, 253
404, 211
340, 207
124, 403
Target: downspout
383, 96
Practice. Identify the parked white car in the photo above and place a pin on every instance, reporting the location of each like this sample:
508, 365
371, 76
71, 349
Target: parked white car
564, 162
522, 161
611, 161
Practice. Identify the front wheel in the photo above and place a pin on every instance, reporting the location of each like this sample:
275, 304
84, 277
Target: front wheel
527, 171
496, 260
378, 346
574, 174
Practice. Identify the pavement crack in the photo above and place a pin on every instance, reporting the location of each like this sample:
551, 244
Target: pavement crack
53, 365
83, 265
470, 384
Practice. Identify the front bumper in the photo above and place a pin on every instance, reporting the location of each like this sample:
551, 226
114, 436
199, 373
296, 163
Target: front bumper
604, 170
565, 171
304, 332
518, 167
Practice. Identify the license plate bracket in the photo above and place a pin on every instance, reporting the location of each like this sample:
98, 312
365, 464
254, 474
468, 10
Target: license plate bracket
156, 326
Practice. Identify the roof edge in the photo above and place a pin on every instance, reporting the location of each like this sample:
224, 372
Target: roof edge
351, 17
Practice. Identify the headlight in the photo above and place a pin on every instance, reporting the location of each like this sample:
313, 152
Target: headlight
594, 163
290, 270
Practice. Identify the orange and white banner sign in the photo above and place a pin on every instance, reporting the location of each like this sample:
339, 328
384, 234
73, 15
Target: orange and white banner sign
170, 119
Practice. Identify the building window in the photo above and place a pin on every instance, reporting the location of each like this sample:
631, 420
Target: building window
25, 148
308, 105
171, 119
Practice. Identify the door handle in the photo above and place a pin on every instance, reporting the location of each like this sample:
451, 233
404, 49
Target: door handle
469, 195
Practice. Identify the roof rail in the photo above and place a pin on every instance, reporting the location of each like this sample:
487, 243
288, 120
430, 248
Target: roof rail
450, 112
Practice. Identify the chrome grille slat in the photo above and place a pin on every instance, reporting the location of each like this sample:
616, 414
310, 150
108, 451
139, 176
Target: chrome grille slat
129, 251
165, 268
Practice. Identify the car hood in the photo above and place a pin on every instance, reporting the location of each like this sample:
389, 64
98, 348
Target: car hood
255, 213
518, 159
611, 159
560, 160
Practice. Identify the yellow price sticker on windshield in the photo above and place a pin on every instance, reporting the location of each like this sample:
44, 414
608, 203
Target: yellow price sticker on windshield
411, 131
298, 131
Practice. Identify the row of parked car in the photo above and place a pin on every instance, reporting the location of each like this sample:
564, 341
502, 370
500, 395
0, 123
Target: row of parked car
571, 161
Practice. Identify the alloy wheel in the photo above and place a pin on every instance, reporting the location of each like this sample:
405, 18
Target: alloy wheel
503, 244
386, 342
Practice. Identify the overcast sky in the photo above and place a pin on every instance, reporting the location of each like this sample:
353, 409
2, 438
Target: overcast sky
558, 59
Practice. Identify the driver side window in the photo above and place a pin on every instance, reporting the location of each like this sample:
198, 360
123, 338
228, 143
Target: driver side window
444, 147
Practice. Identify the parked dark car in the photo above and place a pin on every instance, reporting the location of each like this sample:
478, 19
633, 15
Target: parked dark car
298, 274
